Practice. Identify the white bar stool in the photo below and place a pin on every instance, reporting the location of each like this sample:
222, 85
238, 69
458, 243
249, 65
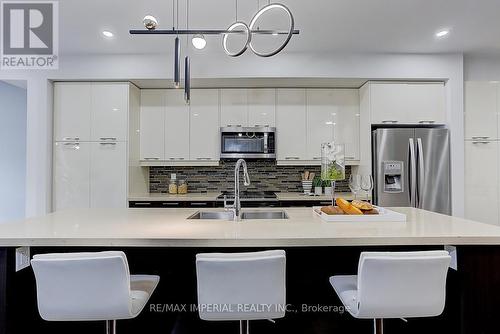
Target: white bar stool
90, 287
241, 286
395, 285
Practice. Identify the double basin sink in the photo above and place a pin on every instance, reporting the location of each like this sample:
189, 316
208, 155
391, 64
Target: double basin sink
229, 215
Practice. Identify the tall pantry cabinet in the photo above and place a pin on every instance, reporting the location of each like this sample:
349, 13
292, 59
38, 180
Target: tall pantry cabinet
482, 151
90, 145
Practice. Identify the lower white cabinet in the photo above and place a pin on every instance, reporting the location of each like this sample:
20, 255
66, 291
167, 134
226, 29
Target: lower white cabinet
108, 175
482, 181
90, 175
71, 175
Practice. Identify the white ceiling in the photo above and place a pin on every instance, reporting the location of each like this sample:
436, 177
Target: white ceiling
401, 26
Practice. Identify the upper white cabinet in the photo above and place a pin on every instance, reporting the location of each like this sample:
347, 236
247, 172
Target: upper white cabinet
481, 110
407, 103
248, 107
204, 143
261, 107
109, 113
176, 126
233, 107
72, 105
152, 124
482, 182
321, 115
291, 124
332, 114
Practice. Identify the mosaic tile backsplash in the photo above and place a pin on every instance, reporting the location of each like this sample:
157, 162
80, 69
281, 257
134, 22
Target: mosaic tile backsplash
264, 176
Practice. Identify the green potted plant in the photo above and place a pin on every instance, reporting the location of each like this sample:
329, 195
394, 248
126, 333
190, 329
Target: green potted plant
317, 183
328, 187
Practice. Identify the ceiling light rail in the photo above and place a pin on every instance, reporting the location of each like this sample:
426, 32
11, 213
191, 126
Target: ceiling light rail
208, 32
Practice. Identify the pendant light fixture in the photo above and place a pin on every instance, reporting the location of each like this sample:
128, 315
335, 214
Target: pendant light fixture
246, 31
177, 49
199, 41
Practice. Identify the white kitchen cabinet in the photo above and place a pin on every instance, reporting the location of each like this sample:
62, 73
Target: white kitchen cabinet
482, 181
234, 107
407, 103
108, 175
176, 126
261, 107
321, 113
152, 125
72, 106
71, 175
204, 143
347, 121
481, 110
109, 115
291, 125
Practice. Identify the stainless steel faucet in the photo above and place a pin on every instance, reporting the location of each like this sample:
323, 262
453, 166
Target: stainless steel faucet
236, 206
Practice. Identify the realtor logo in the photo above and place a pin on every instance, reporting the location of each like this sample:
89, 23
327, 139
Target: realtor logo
29, 35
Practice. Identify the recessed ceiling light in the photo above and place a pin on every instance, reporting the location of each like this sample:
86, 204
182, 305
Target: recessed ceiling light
107, 33
442, 33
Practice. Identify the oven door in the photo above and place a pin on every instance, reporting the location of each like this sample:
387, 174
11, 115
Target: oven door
243, 142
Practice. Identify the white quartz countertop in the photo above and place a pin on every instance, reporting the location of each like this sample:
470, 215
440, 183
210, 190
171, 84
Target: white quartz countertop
170, 228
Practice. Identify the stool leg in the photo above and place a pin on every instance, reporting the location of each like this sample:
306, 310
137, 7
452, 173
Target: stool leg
378, 326
110, 326
244, 327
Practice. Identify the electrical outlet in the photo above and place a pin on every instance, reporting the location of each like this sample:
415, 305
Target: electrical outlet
453, 253
22, 258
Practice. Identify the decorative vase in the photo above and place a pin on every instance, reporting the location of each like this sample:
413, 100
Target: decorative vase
318, 190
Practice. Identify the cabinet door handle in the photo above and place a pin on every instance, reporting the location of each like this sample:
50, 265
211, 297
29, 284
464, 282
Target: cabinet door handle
480, 137
176, 158
316, 158
170, 203
74, 146
389, 121
480, 142
104, 143
428, 121
151, 158
198, 203
108, 138
292, 158
203, 158
350, 157
142, 203
71, 138
237, 125
261, 126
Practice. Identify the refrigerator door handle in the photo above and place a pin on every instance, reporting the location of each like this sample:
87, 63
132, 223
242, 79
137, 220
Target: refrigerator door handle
412, 173
421, 171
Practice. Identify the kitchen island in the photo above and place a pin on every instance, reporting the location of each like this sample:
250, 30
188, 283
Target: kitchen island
164, 241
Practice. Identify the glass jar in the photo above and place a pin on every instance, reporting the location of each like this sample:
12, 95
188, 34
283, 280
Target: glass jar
332, 164
182, 187
172, 186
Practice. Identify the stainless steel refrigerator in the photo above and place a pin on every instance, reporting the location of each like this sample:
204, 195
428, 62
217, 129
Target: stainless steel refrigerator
411, 168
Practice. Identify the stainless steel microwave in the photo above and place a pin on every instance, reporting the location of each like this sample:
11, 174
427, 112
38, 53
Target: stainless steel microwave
248, 142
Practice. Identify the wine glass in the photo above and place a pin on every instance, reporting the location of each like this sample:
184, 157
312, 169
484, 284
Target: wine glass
355, 184
367, 185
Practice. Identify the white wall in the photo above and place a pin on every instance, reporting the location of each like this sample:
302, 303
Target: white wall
482, 67
12, 151
306, 65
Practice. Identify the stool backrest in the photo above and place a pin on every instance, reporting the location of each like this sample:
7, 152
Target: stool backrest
402, 284
241, 286
82, 286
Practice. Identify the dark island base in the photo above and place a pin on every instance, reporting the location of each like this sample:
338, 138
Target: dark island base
473, 294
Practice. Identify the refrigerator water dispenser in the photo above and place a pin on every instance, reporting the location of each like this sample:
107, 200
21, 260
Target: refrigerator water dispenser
393, 176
